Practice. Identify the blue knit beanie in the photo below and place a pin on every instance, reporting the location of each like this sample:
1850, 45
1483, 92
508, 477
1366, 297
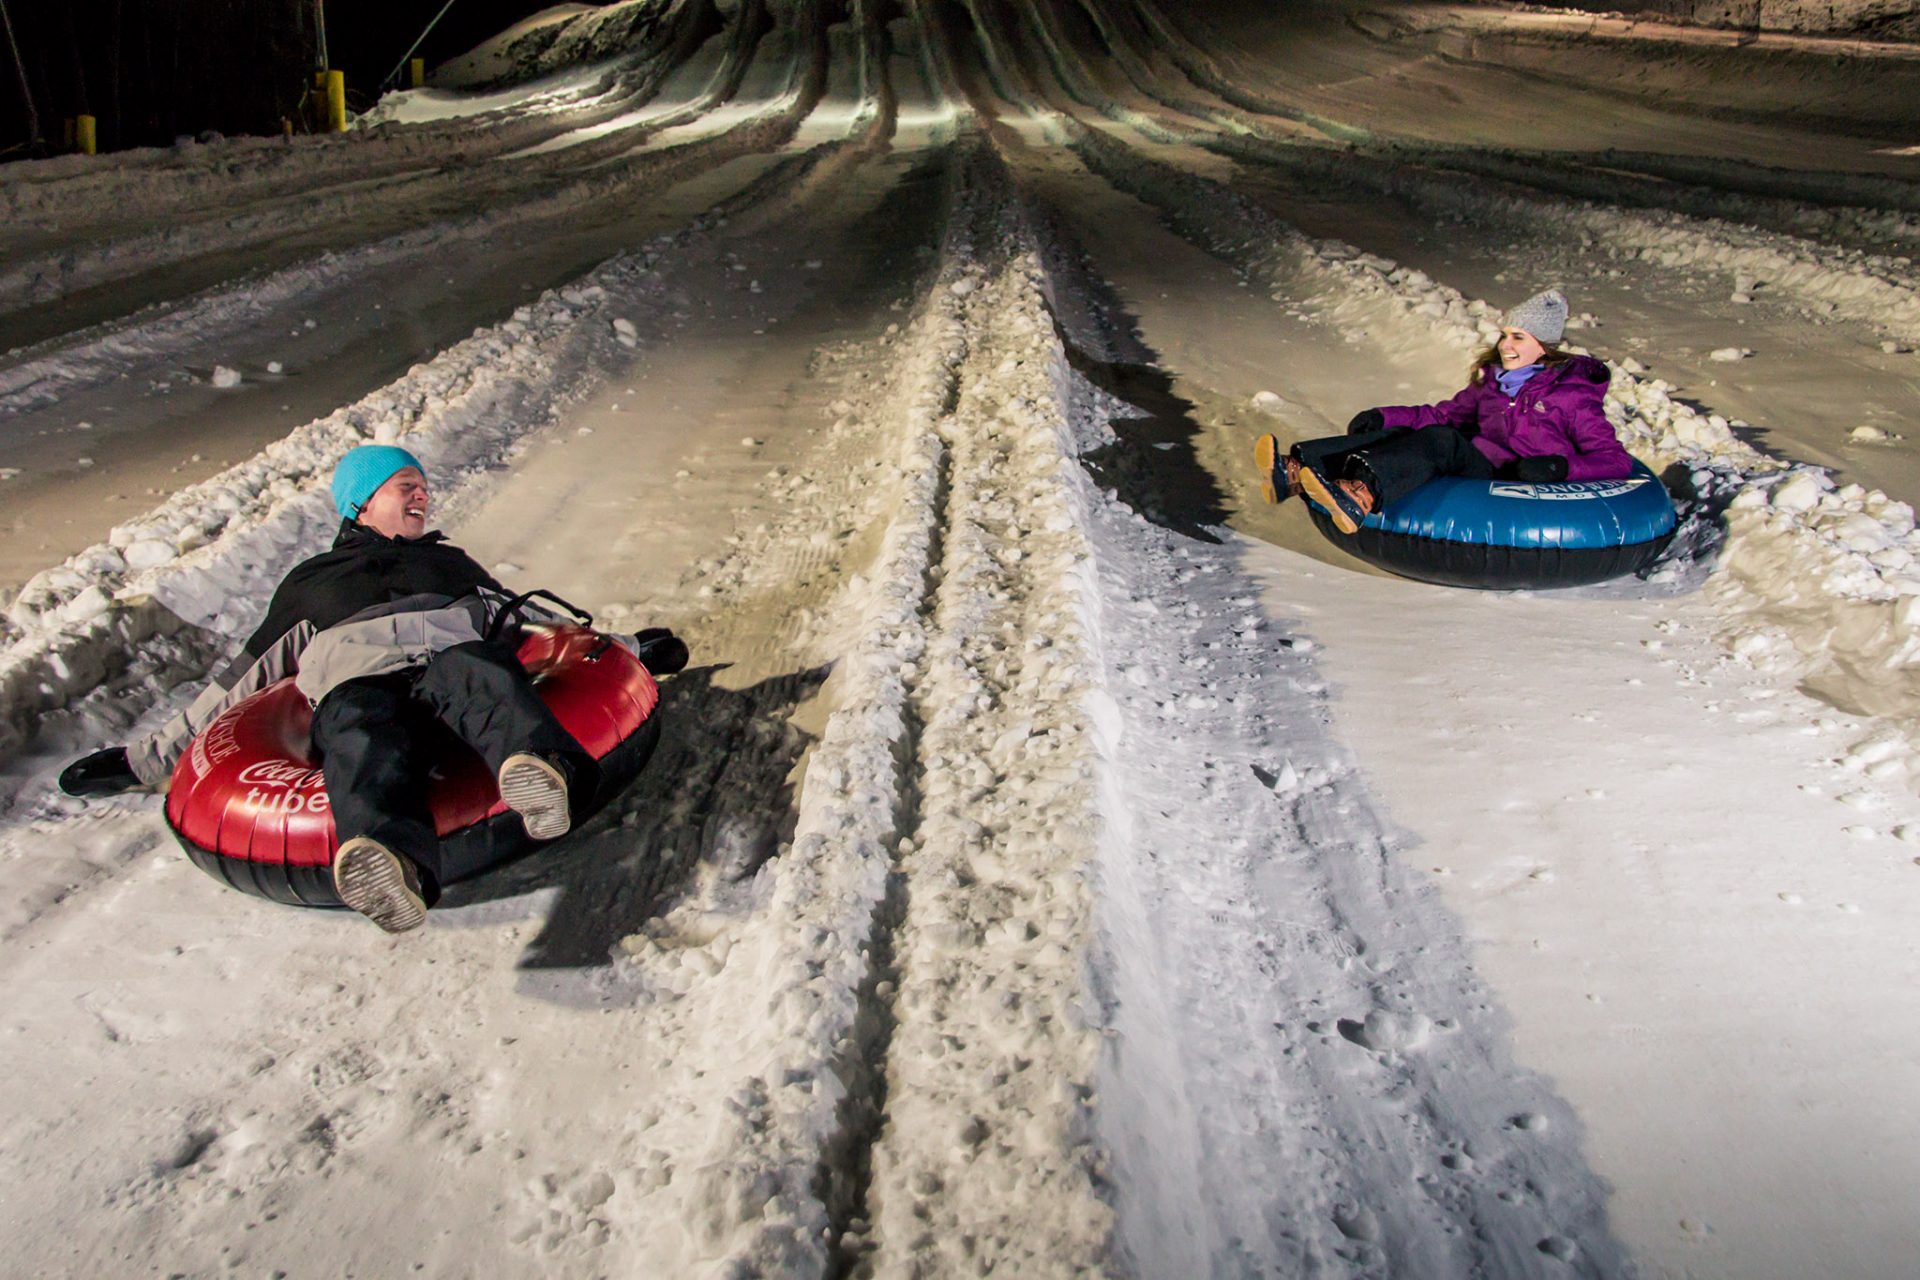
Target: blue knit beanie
363, 470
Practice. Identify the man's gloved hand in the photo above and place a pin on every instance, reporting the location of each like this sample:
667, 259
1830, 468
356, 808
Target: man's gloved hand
1547, 468
1367, 420
104, 773
660, 651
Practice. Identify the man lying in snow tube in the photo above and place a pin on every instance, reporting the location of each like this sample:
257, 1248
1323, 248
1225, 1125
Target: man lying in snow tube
1517, 481
399, 641
251, 804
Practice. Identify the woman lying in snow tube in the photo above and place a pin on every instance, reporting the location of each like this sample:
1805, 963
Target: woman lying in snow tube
1503, 536
1517, 481
249, 802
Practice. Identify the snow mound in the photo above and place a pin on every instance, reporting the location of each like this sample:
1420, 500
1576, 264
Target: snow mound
568, 36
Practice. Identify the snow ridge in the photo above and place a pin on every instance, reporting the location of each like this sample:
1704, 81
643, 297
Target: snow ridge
549, 192
931, 909
536, 188
1873, 289
1862, 208
987, 1159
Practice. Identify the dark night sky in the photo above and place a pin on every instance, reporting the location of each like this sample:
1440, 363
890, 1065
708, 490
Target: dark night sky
154, 69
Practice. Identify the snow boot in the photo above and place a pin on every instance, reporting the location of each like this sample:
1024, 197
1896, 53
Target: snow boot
536, 789
104, 773
1266, 456
1348, 502
379, 884
660, 651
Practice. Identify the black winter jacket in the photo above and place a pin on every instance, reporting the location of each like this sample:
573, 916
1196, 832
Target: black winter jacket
362, 570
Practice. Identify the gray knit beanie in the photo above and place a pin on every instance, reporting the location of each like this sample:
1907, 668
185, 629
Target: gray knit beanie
1544, 315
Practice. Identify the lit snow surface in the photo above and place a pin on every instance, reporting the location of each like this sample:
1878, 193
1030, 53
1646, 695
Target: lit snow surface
1056, 860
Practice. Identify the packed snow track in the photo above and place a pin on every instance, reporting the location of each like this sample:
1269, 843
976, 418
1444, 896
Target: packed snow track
1058, 861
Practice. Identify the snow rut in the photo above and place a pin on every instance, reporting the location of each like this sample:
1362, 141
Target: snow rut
714, 812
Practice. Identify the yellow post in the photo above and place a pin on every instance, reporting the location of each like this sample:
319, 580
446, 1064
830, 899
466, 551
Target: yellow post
85, 136
419, 69
336, 102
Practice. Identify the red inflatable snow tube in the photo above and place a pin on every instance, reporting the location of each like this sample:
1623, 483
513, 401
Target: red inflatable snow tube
250, 803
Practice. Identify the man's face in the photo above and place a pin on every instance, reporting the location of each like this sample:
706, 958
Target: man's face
398, 508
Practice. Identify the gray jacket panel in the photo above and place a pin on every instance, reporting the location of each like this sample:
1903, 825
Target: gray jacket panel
153, 757
397, 636
385, 643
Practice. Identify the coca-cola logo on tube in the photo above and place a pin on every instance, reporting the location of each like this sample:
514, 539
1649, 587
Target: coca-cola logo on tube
279, 773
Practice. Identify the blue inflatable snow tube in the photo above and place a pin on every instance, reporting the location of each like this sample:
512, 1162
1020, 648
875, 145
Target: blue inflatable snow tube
1503, 535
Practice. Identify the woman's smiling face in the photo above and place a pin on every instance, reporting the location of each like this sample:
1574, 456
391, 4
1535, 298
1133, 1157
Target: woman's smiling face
1518, 349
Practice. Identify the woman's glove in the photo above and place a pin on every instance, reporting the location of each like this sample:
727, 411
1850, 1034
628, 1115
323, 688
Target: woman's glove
104, 773
1546, 468
1367, 420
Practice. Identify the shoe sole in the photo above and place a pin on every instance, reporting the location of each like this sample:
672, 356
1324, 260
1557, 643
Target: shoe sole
1320, 493
537, 792
371, 880
1266, 452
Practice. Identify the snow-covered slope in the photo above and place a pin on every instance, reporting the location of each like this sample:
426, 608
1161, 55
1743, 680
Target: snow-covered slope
1057, 861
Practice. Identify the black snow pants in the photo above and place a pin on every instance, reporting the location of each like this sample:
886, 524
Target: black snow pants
376, 736
1395, 463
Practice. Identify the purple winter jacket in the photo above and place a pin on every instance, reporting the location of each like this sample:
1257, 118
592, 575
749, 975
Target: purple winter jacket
1557, 411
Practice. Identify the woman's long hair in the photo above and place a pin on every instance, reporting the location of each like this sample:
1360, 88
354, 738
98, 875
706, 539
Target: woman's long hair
1489, 358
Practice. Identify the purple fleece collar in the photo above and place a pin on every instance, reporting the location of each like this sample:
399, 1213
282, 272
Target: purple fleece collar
1511, 380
